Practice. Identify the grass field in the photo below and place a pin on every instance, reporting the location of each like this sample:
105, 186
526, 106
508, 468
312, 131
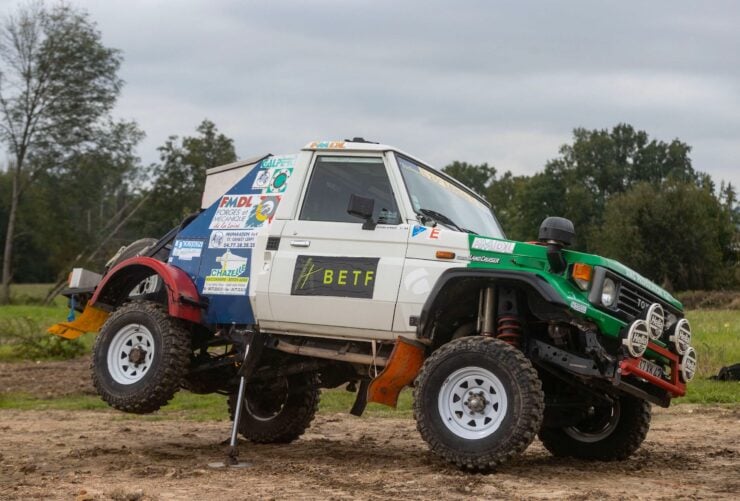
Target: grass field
716, 339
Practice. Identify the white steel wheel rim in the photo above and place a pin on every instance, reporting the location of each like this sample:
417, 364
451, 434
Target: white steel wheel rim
472, 403
130, 354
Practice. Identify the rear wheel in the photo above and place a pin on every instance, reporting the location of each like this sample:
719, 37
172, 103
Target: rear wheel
140, 357
478, 402
278, 411
608, 433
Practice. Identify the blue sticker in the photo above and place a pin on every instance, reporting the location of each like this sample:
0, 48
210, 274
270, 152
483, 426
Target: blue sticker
418, 229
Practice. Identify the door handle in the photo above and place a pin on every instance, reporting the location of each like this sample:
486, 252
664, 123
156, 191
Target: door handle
300, 243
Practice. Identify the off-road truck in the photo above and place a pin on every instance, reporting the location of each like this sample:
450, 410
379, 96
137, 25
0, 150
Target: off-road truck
355, 264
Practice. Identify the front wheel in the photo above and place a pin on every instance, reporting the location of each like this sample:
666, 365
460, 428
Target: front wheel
608, 433
478, 402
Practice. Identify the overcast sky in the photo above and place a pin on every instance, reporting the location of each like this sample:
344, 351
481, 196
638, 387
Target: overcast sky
481, 81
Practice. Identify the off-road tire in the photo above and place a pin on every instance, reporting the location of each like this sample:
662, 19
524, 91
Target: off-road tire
169, 365
626, 437
290, 422
524, 402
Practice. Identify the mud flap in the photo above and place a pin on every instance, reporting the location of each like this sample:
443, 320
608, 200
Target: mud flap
90, 320
402, 367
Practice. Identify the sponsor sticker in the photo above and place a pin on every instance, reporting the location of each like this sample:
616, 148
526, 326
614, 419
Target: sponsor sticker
263, 212
418, 230
579, 307
490, 245
232, 239
262, 181
228, 279
334, 276
279, 180
236, 212
232, 212
187, 250
331, 145
431, 233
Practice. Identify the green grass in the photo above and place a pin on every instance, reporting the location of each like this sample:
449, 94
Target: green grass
193, 407
716, 339
33, 294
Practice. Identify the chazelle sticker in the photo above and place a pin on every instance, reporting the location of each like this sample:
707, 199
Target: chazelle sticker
487, 244
232, 239
228, 279
187, 250
334, 276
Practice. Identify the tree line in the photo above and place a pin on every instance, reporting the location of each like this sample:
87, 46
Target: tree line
74, 190
632, 198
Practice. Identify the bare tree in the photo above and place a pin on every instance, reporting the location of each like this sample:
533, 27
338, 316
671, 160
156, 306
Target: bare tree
57, 80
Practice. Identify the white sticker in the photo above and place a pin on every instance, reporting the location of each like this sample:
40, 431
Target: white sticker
486, 259
228, 279
232, 212
187, 250
500, 246
579, 307
262, 181
231, 239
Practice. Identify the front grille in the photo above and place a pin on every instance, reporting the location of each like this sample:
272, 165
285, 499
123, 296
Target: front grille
633, 300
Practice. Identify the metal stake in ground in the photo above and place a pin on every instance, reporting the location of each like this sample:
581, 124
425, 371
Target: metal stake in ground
252, 351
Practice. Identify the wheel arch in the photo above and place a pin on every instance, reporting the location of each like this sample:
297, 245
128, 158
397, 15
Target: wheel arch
455, 295
183, 300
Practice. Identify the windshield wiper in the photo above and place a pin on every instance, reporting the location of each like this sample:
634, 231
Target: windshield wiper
441, 218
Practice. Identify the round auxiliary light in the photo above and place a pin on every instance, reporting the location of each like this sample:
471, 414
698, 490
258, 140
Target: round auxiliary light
637, 338
688, 365
655, 318
681, 337
608, 292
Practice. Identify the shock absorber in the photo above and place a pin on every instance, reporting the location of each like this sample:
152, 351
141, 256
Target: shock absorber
509, 330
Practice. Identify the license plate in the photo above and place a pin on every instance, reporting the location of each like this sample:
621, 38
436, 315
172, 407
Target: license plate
651, 368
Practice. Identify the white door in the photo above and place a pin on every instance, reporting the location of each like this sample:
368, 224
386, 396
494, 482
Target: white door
330, 275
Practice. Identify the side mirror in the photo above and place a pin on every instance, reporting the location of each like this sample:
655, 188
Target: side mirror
363, 208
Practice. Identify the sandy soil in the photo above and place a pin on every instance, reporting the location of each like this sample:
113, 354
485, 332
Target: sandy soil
691, 452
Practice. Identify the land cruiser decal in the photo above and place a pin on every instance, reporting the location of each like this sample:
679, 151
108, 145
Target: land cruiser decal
334, 276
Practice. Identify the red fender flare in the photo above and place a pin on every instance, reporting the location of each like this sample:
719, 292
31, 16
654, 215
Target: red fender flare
183, 300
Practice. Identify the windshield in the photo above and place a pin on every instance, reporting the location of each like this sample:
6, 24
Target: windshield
431, 193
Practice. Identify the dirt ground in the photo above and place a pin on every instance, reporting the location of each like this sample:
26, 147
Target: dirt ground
691, 452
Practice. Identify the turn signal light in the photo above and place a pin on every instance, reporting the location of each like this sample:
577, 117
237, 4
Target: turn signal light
445, 255
582, 274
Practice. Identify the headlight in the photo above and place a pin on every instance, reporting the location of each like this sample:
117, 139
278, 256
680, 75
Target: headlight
681, 337
637, 338
688, 365
608, 292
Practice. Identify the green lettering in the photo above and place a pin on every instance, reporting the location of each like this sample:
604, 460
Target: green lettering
342, 279
357, 274
369, 277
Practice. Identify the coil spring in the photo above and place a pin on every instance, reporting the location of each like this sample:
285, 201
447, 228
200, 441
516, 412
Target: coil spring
509, 330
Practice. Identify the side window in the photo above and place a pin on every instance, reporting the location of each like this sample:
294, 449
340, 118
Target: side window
334, 179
